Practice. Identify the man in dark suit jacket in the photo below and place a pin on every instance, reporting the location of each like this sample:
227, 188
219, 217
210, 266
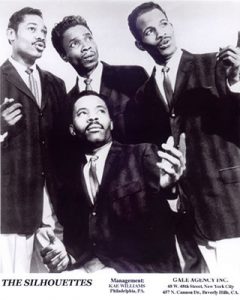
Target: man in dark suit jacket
29, 138
205, 105
73, 40
126, 224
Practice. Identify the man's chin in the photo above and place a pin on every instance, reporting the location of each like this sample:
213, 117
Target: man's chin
95, 140
86, 68
94, 144
167, 52
90, 66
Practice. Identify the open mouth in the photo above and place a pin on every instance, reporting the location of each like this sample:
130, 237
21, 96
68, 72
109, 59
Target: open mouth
39, 46
89, 57
94, 128
164, 43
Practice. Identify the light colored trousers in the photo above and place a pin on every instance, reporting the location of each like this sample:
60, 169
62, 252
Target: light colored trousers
223, 256
21, 253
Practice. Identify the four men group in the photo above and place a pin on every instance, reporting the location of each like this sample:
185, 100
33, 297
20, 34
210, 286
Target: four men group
114, 200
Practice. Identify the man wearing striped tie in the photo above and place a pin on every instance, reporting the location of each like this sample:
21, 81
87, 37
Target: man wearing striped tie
198, 94
75, 43
113, 201
32, 102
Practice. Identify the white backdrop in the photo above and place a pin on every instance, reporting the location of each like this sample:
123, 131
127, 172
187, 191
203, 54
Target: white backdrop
200, 26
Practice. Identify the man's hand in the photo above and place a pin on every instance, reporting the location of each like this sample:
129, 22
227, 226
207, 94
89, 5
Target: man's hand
173, 163
230, 57
55, 255
11, 111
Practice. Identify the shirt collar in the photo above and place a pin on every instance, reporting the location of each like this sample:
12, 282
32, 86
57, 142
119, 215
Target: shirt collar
101, 152
174, 61
20, 67
96, 79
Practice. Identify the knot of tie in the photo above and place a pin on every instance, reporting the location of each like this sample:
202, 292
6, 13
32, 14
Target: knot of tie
29, 71
165, 69
88, 81
94, 158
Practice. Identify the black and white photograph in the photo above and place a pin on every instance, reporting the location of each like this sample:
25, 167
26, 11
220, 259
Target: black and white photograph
120, 149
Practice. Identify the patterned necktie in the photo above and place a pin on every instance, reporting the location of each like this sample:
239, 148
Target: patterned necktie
88, 81
93, 180
33, 85
167, 86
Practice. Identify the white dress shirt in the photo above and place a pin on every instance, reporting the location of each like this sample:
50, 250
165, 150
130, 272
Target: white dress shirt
95, 264
21, 69
96, 77
102, 154
19, 251
173, 65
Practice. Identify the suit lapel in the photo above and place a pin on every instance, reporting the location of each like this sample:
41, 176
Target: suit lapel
183, 73
75, 91
112, 162
79, 181
105, 86
106, 80
111, 165
44, 87
12, 76
84, 188
153, 93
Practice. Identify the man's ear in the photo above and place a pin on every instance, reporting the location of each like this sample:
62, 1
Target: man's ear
139, 45
11, 35
111, 125
64, 57
72, 130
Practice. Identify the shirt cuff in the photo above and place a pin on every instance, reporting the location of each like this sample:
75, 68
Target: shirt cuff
3, 136
234, 88
72, 260
174, 204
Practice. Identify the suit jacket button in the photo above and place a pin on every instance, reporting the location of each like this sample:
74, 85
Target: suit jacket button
94, 244
173, 115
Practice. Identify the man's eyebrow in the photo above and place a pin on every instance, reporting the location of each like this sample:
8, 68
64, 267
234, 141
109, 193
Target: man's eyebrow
32, 23
80, 109
102, 106
87, 33
73, 39
35, 24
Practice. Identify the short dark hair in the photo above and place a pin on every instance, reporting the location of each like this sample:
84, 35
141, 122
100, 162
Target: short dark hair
138, 11
59, 29
89, 93
19, 15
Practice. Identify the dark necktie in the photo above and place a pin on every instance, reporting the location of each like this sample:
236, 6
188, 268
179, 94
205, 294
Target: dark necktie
167, 86
93, 180
33, 85
88, 87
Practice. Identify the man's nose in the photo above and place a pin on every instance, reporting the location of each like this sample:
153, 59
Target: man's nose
85, 46
160, 32
92, 118
40, 35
